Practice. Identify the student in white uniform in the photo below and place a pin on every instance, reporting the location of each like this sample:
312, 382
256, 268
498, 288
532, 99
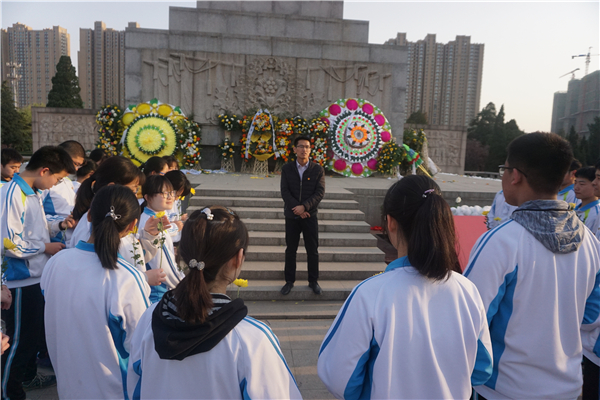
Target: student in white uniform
196, 343
500, 211
566, 191
84, 172
27, 232
60, 199
11, 163
158, 198
417, 331
182, 188
116, 170
588, 210
538, 277
94, 300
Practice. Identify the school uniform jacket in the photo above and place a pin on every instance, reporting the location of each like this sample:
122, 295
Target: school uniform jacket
308, 191
90, 316
542, 305
174, 214
400, 335
24, 224
59, 202
228, 357
169, 266
568, 195
590, 216
500, 211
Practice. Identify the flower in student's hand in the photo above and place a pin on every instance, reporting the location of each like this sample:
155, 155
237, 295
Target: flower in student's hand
497, 219
241, 282
572, 206
193, 191
160, 214
8, 244
485, 212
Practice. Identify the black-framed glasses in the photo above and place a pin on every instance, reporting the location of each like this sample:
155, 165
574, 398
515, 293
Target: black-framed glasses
501, 169
169, 195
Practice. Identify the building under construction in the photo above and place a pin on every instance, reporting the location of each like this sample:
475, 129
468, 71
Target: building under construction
578, 106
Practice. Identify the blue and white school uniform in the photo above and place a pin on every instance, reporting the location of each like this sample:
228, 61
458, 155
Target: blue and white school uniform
535, 301
568, 195
91, 314
174, 214
401, 335
247, 363
500, 211
24, 224
164, 259
590, 216
59, 202
76, 185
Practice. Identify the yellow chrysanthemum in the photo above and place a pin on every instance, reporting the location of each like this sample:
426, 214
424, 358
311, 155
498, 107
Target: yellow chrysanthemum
150, 136
241, 282
8, 244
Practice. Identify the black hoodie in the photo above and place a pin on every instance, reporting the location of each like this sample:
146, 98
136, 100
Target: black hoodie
175, 339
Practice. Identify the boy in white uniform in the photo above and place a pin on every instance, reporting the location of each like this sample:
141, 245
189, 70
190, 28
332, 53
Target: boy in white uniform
11, 163
24, 226
588, 210
538, 277
566, 191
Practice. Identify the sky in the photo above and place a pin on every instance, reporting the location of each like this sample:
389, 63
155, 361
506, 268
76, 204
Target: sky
528, 45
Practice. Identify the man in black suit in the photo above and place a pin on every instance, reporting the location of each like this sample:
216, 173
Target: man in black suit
302, 189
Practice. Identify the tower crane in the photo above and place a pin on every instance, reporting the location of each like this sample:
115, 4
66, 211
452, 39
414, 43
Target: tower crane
570, 72
587, 59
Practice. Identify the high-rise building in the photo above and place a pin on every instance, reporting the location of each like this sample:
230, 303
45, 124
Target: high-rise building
578, 106
101, 65
444, 80
29, 59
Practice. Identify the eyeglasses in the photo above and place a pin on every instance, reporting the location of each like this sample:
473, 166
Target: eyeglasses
79, 165
501, 169
303, 147
169, 195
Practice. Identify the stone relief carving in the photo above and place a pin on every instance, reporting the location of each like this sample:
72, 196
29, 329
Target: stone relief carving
56, 128
445, 147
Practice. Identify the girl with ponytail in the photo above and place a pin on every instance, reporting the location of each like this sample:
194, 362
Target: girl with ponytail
418, 330
196, 343
94, 300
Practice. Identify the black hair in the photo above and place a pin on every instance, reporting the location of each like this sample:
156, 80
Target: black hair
10, 155
86, 168
179, 182
588, 173
74, 148
114, 207
154, 185
117, 169
575, 165
213, 242
97, 155
426, 223
154, 164
544, 159
299, 138
171, 160
55, 158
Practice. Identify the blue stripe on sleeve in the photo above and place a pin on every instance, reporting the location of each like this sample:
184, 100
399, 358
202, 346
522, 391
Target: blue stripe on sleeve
49, 205
137, 368
115, 325
483, 242
136, 275
483, 366
244, 390
361, 381
592, 304
499, 313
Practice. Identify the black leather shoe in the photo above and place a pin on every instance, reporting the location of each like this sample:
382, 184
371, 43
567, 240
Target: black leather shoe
287, 288
315, 287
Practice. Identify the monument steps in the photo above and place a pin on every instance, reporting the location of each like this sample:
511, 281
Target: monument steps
348, 252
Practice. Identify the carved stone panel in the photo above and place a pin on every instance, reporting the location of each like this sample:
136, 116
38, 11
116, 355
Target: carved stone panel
447, 146
51, 126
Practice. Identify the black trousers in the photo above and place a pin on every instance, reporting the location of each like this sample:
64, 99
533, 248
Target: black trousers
25, 326
591, 381
309, 227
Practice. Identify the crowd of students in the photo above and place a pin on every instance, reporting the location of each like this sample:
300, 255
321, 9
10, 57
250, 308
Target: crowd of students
136, 305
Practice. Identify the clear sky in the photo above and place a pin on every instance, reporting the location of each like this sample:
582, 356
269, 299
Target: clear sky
528, 45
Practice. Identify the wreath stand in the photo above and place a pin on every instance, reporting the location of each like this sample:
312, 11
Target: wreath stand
227, 164
247, 167
261, 167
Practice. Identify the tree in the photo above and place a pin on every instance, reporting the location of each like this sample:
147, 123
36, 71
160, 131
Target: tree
13, 125
477, 154
65, 86
593, 153
577, 145
418, 117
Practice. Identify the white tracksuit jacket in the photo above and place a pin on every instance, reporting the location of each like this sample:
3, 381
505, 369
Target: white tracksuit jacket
90, 316
169, 266
400, 335
246, 364
24, 223
590, 216
568, 195
541, 307
500, 211
59, 202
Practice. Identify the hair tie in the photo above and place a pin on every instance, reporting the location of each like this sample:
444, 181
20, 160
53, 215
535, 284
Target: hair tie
112, 214
428, 191
199, 265
209, 215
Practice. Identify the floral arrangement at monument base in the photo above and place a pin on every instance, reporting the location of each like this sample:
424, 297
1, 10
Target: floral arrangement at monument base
110, 129
226, 152
389, 158
357, 131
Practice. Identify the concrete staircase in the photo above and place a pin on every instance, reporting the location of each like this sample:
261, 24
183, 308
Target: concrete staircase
348, 252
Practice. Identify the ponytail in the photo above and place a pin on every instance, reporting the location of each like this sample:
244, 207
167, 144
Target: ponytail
113, 209
84, 197
210, 237
425, 221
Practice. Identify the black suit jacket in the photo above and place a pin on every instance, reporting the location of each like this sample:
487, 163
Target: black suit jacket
307, 192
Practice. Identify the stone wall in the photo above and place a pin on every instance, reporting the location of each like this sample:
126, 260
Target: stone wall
51, 126
447, 146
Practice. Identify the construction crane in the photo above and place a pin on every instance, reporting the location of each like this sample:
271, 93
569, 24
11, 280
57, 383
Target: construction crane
587, 59
570, 72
